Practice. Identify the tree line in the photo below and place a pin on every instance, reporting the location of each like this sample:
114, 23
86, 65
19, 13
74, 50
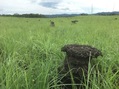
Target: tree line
25, 15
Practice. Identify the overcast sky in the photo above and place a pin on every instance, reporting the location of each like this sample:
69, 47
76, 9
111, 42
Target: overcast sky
57, 6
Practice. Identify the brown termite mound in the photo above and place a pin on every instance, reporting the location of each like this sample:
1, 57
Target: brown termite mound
76, 64
52, 24
74, 21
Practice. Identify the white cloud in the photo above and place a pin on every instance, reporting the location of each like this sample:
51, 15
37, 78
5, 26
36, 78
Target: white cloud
57, 6
74, 6
10, 6
105, 5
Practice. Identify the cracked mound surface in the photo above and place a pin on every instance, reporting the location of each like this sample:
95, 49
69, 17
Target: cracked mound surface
81, 51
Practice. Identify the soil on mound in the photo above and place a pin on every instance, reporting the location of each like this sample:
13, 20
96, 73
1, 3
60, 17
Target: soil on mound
81, 51
76, 61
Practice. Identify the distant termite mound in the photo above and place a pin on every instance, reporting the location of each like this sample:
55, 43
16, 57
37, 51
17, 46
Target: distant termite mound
52, 24
76, 64
74, 21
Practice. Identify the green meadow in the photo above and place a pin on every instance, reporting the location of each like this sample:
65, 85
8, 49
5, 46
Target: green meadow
30, 50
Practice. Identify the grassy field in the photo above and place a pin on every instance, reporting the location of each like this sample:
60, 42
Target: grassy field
30, 50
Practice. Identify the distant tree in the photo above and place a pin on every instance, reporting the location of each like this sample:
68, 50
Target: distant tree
16, 15
33, 15
83, 14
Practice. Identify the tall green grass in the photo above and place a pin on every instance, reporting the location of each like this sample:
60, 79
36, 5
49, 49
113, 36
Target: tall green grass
30, 50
